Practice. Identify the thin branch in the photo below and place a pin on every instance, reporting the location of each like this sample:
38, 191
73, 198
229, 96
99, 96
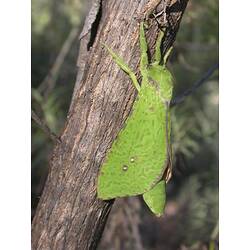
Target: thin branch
49, 81
204, 78
215, 232
42, 125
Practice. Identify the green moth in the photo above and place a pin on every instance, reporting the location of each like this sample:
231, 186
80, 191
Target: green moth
139, 161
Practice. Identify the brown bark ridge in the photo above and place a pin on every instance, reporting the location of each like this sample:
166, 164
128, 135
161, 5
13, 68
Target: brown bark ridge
69, 214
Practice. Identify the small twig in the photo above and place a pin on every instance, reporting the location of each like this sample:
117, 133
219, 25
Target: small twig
49, 81
196, 85
44, 127
215, 232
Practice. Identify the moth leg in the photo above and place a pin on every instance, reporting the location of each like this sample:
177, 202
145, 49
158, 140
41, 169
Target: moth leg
165, 58
157, 54
144, 55
119, 61
156, 198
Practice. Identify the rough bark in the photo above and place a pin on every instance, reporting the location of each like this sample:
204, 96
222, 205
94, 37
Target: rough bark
69, 215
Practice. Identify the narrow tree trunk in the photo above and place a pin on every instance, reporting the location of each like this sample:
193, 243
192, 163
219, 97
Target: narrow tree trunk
69, 215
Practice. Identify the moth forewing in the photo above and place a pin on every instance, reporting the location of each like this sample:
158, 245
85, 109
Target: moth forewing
137, 159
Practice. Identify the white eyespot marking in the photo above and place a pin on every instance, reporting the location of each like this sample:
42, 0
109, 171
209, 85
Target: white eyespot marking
124, 167
132, 159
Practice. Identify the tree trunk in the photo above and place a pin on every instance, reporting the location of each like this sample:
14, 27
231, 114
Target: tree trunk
69, 215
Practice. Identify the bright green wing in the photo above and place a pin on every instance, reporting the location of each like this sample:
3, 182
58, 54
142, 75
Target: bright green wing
156, 198
138, 157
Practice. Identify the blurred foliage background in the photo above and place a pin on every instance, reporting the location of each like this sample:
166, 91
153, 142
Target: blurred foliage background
191, 220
